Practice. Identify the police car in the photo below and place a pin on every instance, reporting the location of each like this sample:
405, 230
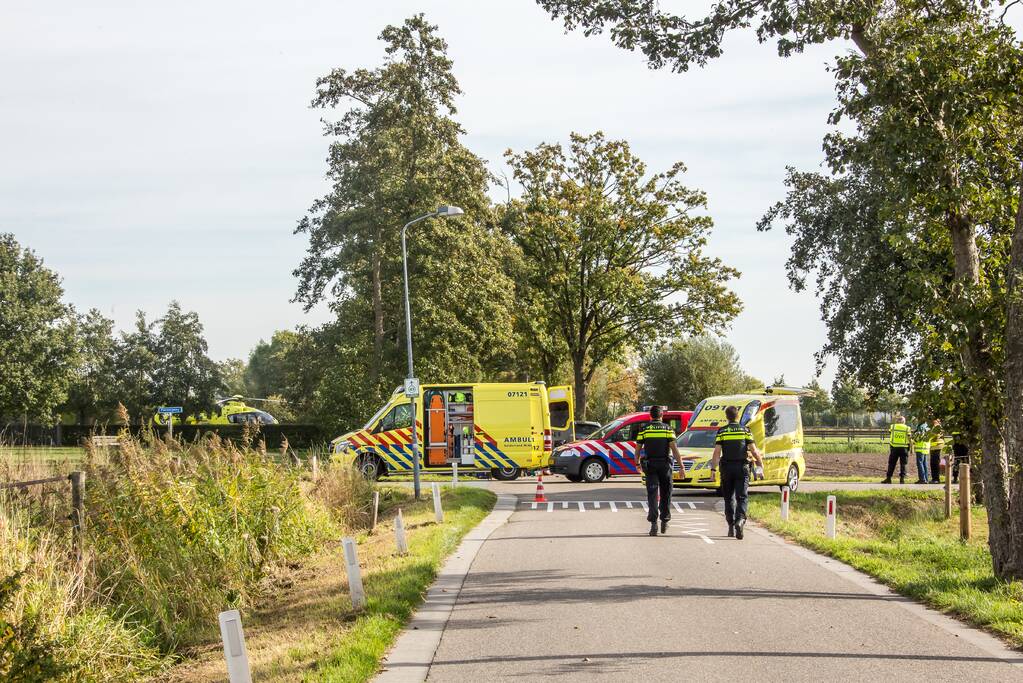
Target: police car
611, 450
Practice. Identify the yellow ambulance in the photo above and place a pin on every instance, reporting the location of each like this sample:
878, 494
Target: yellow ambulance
777, 426
501, 428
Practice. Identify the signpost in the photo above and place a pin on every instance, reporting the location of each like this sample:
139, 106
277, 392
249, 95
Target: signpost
411, 392
170, 412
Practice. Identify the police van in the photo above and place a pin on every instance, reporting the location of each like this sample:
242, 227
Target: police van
501, 428
777, 426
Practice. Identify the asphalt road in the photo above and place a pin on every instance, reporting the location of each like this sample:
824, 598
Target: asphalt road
578, 590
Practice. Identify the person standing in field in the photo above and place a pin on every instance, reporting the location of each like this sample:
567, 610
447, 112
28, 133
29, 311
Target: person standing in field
898, 449
937, 439
922, 449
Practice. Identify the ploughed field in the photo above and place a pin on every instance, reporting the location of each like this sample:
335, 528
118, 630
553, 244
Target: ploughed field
849, 465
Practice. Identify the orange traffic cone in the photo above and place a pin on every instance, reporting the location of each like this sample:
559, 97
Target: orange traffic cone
539, 497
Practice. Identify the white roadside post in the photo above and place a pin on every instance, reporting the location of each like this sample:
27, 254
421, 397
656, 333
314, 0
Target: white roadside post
831, 512
316, 467
399, 534
438, 512
784, 503
454, 474
354, 574
376, 510
234, 647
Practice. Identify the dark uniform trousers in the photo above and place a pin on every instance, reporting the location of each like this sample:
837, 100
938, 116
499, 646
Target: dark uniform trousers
658, 481
935, 465
735, 489
897, 454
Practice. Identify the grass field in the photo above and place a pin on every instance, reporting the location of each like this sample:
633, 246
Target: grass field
843, 445
308, 630
902, 538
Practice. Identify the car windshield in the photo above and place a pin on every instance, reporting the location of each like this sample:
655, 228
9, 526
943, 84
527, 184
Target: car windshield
697, 438
607, 429
379, 414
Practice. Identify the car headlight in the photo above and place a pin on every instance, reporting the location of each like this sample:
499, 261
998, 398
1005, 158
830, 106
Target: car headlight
341, 446
569, 453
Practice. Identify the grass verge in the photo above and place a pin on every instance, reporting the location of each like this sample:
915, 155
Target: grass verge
308, 631
901, 537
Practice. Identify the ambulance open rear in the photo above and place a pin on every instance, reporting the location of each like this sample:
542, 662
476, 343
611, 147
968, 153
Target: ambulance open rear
501, 428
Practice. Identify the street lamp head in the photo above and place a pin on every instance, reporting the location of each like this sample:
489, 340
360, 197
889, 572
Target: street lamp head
447, 211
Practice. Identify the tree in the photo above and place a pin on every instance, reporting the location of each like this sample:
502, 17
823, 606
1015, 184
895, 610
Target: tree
607, 248
183, 374
818, 402
134, 360
395, 154
232, 376
934, 93
683, 372
38, 349
614, 390
93, 391
848, 398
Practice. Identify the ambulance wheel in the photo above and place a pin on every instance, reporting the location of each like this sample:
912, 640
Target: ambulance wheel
593, 471
505, 473
792, 478
369, 466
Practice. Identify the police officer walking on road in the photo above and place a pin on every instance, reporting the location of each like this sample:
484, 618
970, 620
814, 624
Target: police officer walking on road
655, 445
732, 450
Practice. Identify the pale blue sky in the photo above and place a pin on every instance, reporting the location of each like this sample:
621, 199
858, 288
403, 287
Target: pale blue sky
165, 150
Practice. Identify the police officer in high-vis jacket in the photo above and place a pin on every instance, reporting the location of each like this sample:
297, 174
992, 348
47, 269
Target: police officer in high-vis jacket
655, 445
898, 449
733, 448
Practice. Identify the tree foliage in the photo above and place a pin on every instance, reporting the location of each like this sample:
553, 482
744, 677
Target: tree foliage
38, 346
92, 394
683, 372
395, 155
613, 255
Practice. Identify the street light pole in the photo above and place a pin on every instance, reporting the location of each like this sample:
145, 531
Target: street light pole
442, 212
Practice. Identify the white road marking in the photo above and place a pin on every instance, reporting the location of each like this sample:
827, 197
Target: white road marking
676, 506
628, 504
550, 506
697, 530
564, 505
645, 507
596, 505
582, 508
614, 508
580, 505
534, 506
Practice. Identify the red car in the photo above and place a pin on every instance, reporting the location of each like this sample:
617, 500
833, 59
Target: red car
611, 450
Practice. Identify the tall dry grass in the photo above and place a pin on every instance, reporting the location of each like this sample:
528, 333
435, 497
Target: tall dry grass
173, 535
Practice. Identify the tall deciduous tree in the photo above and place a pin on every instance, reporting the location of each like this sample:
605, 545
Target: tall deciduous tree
683, 372
38, 350
184, 375
395, 154
134, 360
614, 254
93, 391
935, 94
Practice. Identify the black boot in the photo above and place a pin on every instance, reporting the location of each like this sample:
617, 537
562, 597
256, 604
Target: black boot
653, 528
664, 526
887, 480
739, 523
731, 531
902, 480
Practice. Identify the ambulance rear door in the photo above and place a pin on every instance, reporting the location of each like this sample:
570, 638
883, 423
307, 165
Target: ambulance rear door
561, 405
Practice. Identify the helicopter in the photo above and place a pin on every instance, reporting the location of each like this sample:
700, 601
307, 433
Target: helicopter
230, 410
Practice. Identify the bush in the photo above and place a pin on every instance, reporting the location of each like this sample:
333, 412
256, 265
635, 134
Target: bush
177, 535
346, 493
47, 630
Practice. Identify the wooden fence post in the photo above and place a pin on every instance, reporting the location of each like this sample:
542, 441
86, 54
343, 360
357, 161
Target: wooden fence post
965, 495
78, 512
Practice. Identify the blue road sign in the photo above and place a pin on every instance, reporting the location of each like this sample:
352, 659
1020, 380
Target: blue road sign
169, 410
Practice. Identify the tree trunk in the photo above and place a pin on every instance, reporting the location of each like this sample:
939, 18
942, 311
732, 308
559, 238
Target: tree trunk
579, 378
1014, 389
993, 463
